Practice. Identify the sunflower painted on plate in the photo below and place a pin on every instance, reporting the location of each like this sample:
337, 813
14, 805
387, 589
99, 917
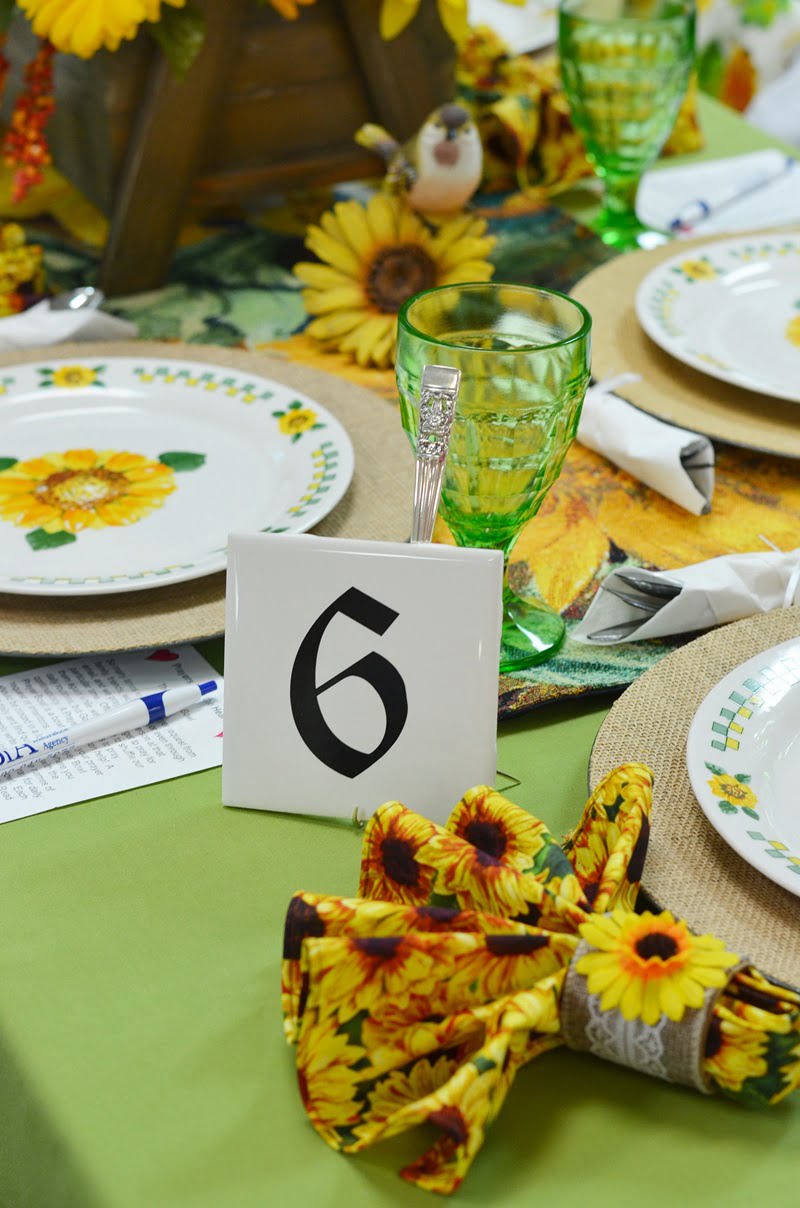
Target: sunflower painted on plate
389, 868
698, 270
491, 823
374, 258
793, 331
83, 489
733, 790
734, 1052
651, 965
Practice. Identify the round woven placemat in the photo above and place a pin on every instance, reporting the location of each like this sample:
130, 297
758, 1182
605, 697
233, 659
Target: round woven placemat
669, 389
689, 869
376, 507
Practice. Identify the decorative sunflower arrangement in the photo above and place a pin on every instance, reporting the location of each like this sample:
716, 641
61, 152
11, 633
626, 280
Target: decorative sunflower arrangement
372, 259
21, 270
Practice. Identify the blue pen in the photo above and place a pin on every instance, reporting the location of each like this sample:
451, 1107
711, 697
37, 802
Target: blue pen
697, 211
141, 712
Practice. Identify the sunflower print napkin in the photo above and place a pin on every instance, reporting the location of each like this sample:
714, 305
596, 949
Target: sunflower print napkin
418, 1000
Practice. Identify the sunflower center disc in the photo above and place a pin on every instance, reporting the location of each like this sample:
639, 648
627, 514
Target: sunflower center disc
396, 274
657, 945
81, 488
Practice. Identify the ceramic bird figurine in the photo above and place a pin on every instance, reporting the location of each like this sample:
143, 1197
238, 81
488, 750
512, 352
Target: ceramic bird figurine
439, 168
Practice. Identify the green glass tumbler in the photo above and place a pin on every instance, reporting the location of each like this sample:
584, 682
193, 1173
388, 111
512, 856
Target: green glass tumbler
524, 357
625, 66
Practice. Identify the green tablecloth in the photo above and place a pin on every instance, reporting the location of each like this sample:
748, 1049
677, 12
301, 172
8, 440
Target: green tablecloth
141, 1056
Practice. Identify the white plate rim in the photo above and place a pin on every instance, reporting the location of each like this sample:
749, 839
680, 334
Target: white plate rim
336, 436
706, 744
674, 347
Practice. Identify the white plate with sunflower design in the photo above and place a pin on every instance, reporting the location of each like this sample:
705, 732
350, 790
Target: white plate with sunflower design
128, 474
743, 757
731, 309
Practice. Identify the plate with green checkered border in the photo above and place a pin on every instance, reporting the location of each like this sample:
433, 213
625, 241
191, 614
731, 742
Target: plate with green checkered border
121, 473
743, 759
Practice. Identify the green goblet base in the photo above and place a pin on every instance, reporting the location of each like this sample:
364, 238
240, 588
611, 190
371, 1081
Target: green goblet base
532, 632
625, 232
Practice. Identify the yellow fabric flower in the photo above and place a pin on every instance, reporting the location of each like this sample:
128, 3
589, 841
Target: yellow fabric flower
399, 1088
484, 818
83, 489
649, 965
389, 868
732, 790
698, 270
297, 421
82, 27
734, 1051
327, 1080
374, 258
793, 331
74, 376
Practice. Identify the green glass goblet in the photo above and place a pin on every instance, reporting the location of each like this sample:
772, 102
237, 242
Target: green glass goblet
524, 359
625, 66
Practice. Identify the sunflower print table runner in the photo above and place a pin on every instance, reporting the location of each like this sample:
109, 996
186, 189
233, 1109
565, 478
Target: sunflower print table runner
418, 1000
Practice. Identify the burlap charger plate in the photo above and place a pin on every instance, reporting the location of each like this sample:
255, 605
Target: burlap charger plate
669, 389
377, 506
690, 869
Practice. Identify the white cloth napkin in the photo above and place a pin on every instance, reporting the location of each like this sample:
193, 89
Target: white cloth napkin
705, 594
41, 325
676, 463
664, 192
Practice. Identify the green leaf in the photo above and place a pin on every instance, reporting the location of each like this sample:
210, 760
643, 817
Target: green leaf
296, 437
447, 901
278, 414
482, 1064
716, 769
351, 1028
39, 539
752, 813
743, 778
295, 406
6, 13
179, 462
7, 462
727, 808
778, 1056
180, 33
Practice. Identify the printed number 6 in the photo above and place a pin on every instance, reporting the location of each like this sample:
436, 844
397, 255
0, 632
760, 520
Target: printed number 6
374, 669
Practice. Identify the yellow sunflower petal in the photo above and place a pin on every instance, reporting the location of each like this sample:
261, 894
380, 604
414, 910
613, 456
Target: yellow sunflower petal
362, 341
330, 327
340, 255
80, 459
465, 249
321, 276
453, 14
354, 226
320, 302
382, 216
395, 16
452, 230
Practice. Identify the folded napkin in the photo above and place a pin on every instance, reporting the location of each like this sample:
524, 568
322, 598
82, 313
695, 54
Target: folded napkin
694, 597
41, 325
676, 463
472, 949
741, 193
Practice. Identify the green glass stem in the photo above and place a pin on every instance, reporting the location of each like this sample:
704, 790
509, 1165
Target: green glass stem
617, 224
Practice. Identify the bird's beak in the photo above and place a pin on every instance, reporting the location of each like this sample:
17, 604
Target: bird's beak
451, 133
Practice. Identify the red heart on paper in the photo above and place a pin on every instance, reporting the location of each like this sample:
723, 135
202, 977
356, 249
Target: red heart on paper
163, 656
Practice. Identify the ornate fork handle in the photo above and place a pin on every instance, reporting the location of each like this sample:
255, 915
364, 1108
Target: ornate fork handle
437, 408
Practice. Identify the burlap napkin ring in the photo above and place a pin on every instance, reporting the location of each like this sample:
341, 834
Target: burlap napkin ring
672, 1051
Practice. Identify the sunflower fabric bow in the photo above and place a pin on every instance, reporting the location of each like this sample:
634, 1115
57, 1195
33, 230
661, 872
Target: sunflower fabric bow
473, 948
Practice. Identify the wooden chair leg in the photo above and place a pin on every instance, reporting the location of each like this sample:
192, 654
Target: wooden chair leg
164, 155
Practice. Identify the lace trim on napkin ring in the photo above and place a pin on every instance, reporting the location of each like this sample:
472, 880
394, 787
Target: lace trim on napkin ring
670, 1050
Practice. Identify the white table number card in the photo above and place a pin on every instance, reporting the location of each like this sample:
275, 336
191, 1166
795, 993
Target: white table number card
358, 672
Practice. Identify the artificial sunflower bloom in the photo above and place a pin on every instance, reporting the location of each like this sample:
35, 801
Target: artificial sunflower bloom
651, 965
374, 258
82, 27
83, 489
